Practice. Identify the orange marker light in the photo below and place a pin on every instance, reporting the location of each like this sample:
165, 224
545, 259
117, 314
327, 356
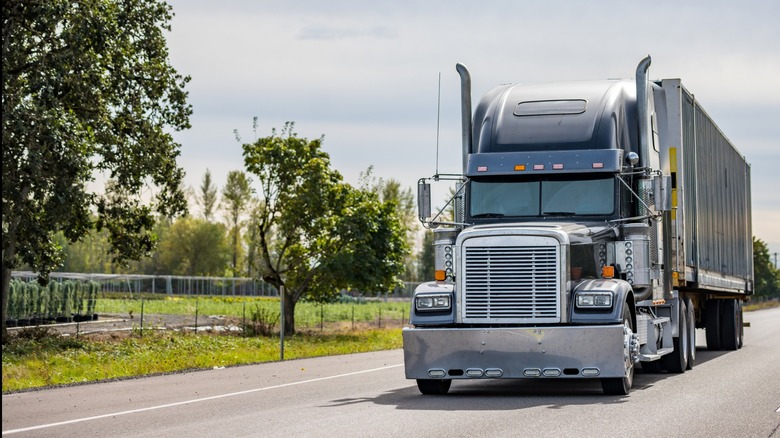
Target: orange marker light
608, 272
519, 166
440, 275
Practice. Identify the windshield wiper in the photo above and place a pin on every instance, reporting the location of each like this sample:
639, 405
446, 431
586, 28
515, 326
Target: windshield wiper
559, 213
487, 215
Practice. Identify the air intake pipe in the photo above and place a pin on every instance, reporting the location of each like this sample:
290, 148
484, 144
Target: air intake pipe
465, 110
643, 110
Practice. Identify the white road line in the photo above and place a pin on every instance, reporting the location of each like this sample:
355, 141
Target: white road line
197, 400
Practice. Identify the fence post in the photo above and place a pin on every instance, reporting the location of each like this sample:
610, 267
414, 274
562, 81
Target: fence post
281, 332
142, 317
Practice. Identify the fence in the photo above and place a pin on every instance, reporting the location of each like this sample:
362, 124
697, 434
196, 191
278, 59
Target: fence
186, 285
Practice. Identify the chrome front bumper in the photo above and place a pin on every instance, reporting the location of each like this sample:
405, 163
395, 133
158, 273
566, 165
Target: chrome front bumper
515, 353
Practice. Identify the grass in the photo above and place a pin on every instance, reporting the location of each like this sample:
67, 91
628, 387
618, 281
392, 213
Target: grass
39, 358
307, 314
762, 305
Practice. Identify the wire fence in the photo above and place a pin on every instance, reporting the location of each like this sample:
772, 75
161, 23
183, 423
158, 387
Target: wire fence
190, 285
79, 303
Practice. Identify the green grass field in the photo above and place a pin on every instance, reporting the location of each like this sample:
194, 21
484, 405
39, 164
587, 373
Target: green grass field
307, 314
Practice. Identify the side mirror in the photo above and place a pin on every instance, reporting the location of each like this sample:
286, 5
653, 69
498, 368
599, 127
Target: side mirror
423, 200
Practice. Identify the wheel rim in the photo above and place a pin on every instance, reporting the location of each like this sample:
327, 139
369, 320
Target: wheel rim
631, 351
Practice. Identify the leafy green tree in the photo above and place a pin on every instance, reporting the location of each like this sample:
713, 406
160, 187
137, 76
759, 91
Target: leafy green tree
207, 198
426, 262
767, 277
405, 208
87, 90
317, 234
236, 198
194, 247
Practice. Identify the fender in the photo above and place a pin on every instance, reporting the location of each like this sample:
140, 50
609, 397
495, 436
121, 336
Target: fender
622, 295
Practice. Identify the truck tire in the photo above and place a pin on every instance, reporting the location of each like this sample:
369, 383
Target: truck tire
741, 326
622, 385
712, 326
731, 324
691, 334
677, 361
434, 386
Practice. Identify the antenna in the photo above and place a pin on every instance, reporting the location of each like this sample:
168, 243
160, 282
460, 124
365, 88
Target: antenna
438, 118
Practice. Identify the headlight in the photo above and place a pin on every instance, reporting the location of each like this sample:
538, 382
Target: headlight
601, 300
430, 303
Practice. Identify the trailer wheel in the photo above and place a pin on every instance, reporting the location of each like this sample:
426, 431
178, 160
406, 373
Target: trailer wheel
434, 386
677, 361
712, 326
731, 324
691, 334
741, 326
622, 385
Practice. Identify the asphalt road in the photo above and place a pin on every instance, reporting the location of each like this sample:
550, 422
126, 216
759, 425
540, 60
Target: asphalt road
727, 394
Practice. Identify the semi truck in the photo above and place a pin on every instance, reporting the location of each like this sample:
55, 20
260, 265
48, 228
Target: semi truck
595, 226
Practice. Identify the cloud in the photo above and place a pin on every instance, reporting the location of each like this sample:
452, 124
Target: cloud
324, 32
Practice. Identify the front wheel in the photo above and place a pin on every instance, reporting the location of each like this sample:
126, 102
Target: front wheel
434, 386
622, 385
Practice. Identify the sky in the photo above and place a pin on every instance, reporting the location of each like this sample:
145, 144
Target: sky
377, 79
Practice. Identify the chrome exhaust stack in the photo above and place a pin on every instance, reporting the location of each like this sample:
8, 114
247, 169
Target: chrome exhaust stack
465, 109
643, 105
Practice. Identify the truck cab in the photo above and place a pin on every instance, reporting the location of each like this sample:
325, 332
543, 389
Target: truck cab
563, 258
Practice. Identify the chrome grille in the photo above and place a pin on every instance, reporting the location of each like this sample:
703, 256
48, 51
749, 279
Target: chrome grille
518, 283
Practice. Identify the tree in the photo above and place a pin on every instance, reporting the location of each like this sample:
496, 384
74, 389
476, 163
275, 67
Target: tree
767, 277
405, 208
427, 264
194, 247
317, 234
208, 196
236, 197
87, 91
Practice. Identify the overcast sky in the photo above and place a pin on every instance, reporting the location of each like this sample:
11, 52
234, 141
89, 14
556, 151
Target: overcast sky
364, 74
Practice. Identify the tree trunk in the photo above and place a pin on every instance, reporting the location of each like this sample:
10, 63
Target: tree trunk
289, 313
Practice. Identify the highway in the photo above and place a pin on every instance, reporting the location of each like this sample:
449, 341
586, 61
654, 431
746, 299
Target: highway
727, 394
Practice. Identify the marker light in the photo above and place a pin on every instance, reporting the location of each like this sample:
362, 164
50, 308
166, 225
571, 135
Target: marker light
520, 167
557, 166
590, 372
598, 165
482, 169
440, 275
538, 166
532, 372
608, 272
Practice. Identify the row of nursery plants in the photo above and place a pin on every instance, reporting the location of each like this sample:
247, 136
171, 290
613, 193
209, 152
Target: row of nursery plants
30, 303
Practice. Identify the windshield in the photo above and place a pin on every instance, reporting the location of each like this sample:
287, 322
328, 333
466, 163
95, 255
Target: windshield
500, 197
